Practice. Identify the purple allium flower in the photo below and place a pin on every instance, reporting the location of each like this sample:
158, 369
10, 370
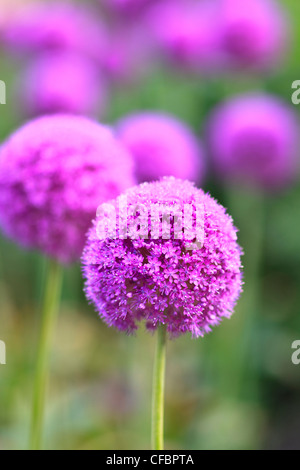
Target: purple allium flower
161, 146
186, 33
253, 32
254, 139
128, 7
129, 54
162, 280
62, 82
54, 172
54, 26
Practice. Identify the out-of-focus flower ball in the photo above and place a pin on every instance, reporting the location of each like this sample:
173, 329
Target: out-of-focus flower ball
54, 173
254, 140
186, 33
161, 145
62, 83
253, 33
56, 26
129, 54
128, 8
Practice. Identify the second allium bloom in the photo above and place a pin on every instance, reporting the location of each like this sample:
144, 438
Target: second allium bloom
254, 140
67, 83
161, 145
186, 285
54, 172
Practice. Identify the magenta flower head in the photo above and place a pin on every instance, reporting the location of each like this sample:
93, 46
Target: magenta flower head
129, 54
253, 33
161, 146
186, 33
54, 172
56, 26
163, 253
62, 83
253, 140
128, 7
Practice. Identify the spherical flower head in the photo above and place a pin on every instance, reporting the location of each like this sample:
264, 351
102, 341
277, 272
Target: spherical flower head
253, 33
253, 140
54, 172
128, 7
186, 33
161, 145
56, 26
142, 263
67, 83
129, 54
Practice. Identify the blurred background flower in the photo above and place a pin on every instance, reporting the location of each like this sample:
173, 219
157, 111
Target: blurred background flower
254, 140
186, 33
161, 146
54, 172
224, 69
253, 33
62, 82
56, 26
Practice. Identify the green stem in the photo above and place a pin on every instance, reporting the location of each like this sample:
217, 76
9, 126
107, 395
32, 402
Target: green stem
159, 390
50, 309
239, 339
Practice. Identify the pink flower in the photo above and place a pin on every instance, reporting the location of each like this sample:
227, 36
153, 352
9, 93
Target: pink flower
253, 33
187, 33
161, 145
158, 280
62, 82
54, 173
254, 140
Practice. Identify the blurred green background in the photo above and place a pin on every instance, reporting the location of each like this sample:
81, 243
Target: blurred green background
237, 388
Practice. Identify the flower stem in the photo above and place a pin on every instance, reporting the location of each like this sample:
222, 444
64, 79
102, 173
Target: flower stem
239, 343
50, 309
159, 390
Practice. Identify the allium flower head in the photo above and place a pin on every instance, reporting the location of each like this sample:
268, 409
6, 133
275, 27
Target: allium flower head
128, 7
161, 146
186, 32
62, 83
128, 55
253, 32
56, 26
189, 284
253, 140
54, 172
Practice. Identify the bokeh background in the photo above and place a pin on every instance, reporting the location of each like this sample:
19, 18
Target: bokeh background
237, 387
